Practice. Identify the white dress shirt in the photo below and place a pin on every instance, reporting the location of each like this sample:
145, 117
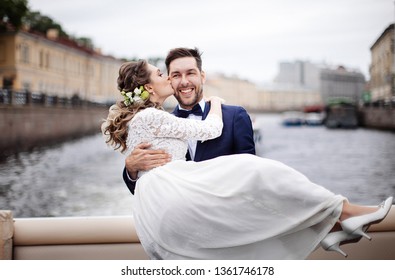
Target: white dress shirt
193, 143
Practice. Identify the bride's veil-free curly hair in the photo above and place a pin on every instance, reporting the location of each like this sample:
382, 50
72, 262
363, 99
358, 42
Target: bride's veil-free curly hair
131, 75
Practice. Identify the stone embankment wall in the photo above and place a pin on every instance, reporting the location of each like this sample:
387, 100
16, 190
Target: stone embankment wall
379, 118
25, 127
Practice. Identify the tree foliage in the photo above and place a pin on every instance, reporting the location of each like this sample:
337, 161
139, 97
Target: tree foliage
41, 23
84, 41
12, 12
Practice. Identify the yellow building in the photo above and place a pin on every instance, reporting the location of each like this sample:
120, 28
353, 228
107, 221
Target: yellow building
235, 91
55, 66
382, 66
269, 98
279, 99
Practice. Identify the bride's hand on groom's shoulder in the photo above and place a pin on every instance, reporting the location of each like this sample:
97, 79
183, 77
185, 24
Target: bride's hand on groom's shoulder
214, 98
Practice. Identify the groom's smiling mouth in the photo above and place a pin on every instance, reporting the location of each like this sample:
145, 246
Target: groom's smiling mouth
186, 92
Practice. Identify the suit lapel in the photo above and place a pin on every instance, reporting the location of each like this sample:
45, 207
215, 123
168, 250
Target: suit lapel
206, 110
200, 147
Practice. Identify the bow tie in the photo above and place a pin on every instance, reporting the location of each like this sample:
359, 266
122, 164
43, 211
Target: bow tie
196, 110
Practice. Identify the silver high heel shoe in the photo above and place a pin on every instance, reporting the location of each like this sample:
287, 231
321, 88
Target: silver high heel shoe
359, 224
333, 241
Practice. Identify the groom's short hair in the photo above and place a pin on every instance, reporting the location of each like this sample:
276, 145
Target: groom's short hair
184, 52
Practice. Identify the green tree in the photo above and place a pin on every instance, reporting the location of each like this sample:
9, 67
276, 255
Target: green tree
12, 12
41, 23
85, 42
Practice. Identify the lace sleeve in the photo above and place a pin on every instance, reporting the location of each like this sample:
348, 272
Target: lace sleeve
164, 124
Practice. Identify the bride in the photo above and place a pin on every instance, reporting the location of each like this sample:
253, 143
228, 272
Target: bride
231, 207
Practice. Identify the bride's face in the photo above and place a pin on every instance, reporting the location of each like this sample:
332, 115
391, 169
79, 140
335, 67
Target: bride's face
160, 82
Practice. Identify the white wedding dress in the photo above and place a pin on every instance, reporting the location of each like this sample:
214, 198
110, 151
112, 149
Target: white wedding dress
231, 207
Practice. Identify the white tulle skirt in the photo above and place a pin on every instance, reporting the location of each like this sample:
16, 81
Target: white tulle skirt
232, 207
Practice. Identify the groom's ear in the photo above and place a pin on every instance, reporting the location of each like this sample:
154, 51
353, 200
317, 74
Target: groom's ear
203, 75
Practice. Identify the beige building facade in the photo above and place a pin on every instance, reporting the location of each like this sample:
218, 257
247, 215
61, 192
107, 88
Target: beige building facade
286, 99
235, 91
382, 70
52, 66
269, 98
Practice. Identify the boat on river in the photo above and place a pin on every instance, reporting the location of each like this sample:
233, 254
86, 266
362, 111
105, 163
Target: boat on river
314, 115
341, 113
292, 118
115, 238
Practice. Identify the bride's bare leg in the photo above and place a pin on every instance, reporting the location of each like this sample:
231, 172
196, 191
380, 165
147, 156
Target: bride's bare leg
351, 210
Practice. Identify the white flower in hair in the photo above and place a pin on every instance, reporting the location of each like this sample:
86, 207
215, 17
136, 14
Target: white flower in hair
137, 99
139, 94
137, 91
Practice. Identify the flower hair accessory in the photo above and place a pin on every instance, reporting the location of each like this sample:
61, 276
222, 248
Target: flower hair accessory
137, 95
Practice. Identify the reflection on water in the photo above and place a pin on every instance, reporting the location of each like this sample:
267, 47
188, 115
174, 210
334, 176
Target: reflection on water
84, 177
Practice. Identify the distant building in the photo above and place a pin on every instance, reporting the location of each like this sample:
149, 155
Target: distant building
56, 66
299, 74
278, 99
274, 98
382, 83
341, 84
298, 85
306, 78
234, 90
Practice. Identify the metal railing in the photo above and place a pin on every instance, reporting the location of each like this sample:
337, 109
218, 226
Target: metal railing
26, 98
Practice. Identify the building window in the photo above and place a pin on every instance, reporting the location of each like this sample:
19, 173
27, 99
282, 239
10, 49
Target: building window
2, 51
41, 63
24, 53
47, 60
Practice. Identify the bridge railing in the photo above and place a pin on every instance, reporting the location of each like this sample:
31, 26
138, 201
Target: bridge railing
27, 98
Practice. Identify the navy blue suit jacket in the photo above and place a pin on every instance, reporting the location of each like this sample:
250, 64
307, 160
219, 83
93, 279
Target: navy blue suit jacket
237, 138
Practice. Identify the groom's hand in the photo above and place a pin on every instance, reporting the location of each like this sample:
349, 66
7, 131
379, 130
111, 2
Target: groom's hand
143, 159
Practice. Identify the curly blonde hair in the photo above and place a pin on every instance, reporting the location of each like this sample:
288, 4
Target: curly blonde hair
114, 128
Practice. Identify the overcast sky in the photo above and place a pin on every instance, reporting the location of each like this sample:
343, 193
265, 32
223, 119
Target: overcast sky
247, 38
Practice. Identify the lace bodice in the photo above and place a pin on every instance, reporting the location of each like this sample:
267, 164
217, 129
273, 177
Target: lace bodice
168, 132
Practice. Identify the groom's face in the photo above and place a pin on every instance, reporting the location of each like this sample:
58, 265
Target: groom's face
187, 81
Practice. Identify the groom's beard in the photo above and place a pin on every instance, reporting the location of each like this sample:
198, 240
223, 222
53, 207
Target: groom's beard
195, 100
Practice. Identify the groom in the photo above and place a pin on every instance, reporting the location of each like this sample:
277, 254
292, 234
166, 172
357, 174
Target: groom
184, 67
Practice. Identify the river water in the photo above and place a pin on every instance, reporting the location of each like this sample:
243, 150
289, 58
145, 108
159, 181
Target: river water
84, 177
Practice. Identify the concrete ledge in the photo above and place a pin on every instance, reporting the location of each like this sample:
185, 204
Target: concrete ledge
111, 251
114, 238
74, 230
